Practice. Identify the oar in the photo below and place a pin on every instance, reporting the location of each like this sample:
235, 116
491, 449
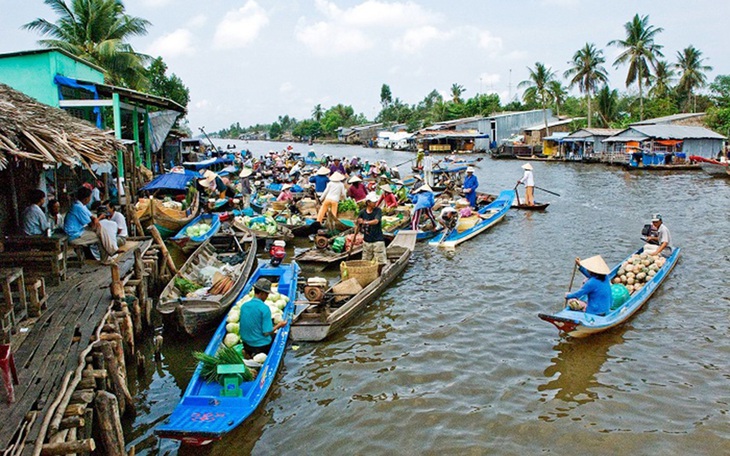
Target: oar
572, 278
407, 161
547, 191
354, 238
517, 194
447, 234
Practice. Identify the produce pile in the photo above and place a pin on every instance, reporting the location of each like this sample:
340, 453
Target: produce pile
275, 302
638, 270
347, 205
197, 230
389, 221
224, 355
168, 203
261, 223
209, 280
289, 219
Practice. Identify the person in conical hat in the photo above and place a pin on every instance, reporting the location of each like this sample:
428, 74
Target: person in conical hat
423, 202
320, 179
357, 190
213, 184
387, 197
594, 296
529, 181
333, 193
244, 186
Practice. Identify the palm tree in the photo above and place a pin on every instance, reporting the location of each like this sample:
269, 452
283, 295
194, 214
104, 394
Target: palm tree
689, 63
662, 79
317, 112
639, 52
558, 94
537, 88
456, 91
587, 73
97, 31
607, 105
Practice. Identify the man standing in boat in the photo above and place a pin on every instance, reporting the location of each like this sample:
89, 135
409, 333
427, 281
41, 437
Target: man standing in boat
663, 237
255, 325
369, 221
529, 181
470, 186
428, 168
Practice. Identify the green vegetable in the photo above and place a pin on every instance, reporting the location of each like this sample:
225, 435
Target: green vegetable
185, 286
348, 205
226, 355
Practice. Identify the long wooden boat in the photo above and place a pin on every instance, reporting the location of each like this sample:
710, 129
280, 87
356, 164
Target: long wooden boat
486, 198
204, 414
194, 315
711, 166
322, 320
489, 216
580, 324
167, 221
282, 232
190, 243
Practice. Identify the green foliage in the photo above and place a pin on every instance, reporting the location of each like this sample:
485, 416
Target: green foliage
307, 129
386, 97
718, 119
720, 91
275, 131
170, 87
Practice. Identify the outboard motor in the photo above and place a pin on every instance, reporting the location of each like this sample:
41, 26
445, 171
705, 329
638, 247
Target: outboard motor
649, 230
277, 252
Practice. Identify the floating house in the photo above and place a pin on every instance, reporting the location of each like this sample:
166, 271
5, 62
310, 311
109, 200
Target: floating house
586, 144
360, 134
664, 143
535, 134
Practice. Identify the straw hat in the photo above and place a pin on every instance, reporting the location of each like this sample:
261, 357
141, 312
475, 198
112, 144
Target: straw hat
386, 188
596, 265
372, 197
286, 186
527, 166
424, 188
469, 169
354, 179
245, 172
322, 171
463, 202
337, 177
208, 178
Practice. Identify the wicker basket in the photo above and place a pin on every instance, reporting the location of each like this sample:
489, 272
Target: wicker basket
364, 271
279, 205
347, 288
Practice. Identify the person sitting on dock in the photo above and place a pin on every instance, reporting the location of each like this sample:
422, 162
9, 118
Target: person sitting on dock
121, 221
35, 222
369, 221
84, 229
357, 190
597, 289
423, 202
529, 181
470, 186
255, 326
55, 218
663, 237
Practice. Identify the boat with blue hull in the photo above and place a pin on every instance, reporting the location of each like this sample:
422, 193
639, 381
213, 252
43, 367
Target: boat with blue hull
488, 216
189, 243
204, 414
580, 324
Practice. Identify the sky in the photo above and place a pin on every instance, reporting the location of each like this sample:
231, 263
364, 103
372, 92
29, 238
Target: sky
250, 61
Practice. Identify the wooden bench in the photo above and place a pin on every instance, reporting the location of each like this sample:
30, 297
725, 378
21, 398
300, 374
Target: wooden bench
38, 255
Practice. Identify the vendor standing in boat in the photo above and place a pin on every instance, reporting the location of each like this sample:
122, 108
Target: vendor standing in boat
529, 181
357, 190
332, 195
255, 326
245, 186
369, 221
597, 289
663, 237
423, 202
470, 186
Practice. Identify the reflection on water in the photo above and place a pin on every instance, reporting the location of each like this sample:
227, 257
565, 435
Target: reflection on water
452, 358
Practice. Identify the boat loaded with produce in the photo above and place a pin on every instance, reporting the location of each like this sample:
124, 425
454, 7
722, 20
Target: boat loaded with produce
226, 388
202, 228
206, 286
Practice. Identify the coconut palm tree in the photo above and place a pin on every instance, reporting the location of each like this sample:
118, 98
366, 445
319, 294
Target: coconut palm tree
662, 79
456, 91
558, 94
587, 72
607, 105
97, 31
689, 63
640, 51
537, 88
317, 112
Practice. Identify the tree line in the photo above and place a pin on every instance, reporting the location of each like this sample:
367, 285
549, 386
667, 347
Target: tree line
662, 88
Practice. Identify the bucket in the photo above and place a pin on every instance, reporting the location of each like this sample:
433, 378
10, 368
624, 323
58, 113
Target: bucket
364, 271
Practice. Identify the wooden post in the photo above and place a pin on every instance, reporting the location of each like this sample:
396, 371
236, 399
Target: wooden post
117, 382
110, 425
163, 248
78, 446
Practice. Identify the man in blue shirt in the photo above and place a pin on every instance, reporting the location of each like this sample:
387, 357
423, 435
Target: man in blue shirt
84, 229
470, 186
321, 179
255, 326
35, 222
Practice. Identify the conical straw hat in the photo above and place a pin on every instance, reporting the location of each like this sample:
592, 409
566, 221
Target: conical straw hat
596, 265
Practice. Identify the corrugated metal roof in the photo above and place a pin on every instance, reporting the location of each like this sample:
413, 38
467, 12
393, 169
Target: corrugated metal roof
587, 132
550, 124
642, 132
669, 119
556, 136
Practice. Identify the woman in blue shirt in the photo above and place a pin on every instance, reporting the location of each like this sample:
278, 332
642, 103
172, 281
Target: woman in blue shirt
596, 290
423, 202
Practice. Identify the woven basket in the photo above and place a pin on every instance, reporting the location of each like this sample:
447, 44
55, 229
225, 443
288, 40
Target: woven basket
279, 205
346, 289
364, 271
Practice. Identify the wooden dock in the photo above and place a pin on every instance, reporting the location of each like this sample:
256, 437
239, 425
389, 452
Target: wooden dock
49, 350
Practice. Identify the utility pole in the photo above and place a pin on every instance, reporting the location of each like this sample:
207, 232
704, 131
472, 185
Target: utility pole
509, 87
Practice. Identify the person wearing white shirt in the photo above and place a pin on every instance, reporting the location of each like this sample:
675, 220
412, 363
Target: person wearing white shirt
118, 218
333, 193
428, 168
529, 181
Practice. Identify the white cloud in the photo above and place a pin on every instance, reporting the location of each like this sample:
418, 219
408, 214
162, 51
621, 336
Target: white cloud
286, 87
489, 79
416, 39
156, 3
487, 41
174, 44
202, 104
325, 38
240, 27
373, 13
197, 21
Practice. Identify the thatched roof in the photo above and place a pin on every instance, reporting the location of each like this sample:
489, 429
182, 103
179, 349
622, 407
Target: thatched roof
32, 130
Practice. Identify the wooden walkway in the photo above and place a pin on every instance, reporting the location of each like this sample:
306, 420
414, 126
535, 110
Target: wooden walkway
52, 346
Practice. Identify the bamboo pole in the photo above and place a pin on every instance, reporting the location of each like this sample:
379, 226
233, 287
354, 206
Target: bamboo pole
163, 248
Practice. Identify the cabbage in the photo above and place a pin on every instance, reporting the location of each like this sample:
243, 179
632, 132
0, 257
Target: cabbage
232, 328
277, 319
274, 296
231, 339
281, 304
260, 358
233, 316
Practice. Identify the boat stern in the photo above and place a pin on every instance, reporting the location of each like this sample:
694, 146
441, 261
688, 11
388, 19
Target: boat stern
563, 324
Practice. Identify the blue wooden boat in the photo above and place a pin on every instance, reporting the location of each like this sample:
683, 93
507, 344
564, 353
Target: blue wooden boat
580, 324
420, 235
190, 243
205, 415
489, 214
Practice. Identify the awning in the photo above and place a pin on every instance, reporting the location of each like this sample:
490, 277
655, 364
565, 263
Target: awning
172, 181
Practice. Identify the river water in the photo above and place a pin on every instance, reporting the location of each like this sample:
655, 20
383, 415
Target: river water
452, 359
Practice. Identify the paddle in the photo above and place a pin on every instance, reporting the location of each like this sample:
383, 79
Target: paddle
407, 161
354, 238
517, 194
547, 191
572, 278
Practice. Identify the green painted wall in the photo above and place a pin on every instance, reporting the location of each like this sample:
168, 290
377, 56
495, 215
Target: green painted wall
33, 74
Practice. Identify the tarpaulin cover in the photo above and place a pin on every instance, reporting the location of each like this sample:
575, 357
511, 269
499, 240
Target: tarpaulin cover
171, 181
197, 166
160, 124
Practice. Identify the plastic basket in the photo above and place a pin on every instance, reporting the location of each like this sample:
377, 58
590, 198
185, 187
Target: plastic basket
364, 271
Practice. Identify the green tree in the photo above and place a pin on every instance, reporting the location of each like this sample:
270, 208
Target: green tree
720, 91
317, 113
97, 31
275, 131
662, 80
160, 84
558, 94
587, 72
607, 106
692, 72
537, 88
386, 97
640, 51
457, 90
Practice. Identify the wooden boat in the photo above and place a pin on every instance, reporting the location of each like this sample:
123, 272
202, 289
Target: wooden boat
712, 167
489, 215
282, 232
486, 198
190, 243
194, 315
682, 167
204, 414
579, 324
167, 221
321, 320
